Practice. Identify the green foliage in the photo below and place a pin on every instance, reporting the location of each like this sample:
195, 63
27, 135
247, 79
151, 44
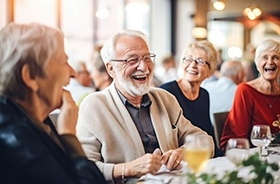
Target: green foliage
260, 171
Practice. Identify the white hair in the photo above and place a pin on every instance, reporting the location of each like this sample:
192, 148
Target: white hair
33, 44
267, 45
108, 50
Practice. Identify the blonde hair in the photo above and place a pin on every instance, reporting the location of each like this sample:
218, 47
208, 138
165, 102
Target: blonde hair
210, 51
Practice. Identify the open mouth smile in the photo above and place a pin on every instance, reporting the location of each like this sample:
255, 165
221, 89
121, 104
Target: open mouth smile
140, 77
270, 69
192, 72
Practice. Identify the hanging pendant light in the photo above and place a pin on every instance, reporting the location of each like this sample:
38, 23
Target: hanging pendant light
252, 12
219, 5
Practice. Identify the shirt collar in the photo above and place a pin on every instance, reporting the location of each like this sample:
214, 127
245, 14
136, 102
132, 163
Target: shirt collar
145, 100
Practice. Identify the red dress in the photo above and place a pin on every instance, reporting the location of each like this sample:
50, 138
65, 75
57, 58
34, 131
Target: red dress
250, 107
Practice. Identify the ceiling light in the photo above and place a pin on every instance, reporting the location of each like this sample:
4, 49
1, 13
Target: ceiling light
199, 32
218, 4
102, 13
252, 12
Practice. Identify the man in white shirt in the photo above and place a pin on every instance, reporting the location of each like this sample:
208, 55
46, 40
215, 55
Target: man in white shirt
222, 91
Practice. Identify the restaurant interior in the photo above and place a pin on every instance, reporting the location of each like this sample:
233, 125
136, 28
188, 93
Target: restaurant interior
235, 27
169, 24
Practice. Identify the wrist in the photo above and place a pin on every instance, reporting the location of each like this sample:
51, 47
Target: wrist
123, 179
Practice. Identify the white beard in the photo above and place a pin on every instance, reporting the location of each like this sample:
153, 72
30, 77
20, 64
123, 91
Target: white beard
130, 88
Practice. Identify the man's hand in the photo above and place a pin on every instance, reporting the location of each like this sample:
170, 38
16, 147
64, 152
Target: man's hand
172, 158
148, 163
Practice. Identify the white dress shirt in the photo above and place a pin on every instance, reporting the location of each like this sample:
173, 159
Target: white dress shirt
221, 93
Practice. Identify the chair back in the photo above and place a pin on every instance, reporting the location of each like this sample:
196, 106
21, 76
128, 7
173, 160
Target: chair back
219, 121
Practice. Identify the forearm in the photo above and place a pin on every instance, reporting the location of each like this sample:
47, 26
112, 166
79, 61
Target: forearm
72, 146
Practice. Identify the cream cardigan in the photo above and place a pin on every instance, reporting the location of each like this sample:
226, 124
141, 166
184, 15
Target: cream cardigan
109, 136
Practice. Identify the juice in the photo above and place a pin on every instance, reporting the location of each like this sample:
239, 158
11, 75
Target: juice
196, 158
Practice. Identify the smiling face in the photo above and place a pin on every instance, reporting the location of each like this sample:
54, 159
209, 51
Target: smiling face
57, 75
193, 72
132, 79
269, 65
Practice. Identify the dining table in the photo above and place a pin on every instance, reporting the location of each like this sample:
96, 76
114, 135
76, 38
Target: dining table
218, 166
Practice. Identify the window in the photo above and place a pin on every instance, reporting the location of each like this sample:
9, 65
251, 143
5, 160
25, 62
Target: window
229, 34
3, 13
40, 11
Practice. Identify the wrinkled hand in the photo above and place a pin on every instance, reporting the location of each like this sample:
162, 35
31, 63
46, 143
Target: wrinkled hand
67, 118
148, 163
172, 159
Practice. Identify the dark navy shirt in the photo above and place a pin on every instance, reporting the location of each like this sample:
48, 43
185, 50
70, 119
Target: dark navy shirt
197, 111
142, 120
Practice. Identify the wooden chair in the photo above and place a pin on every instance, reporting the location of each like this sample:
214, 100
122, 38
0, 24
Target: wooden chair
219, 121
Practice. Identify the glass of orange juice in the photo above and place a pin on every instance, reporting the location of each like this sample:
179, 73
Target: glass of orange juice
197, 152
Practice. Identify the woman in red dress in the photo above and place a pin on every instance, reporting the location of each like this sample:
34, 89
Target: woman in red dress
257, 101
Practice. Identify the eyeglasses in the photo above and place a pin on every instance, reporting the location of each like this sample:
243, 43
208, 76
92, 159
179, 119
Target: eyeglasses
198, 61
148, 59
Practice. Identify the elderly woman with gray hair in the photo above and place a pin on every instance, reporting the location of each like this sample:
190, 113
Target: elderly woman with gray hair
33, 73
257, 102
198, 62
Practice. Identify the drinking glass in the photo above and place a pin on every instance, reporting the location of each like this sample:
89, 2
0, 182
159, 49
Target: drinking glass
197, 152
237, 150
261, 137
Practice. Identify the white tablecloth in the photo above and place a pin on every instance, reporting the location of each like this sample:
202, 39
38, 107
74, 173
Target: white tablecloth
216, 165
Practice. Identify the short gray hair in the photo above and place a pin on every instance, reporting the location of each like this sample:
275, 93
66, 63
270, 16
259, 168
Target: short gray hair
231, 68
32, 44
108, 50
266, 45
209, 49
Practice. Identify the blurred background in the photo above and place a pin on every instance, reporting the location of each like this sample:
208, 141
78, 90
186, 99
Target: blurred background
235, 27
